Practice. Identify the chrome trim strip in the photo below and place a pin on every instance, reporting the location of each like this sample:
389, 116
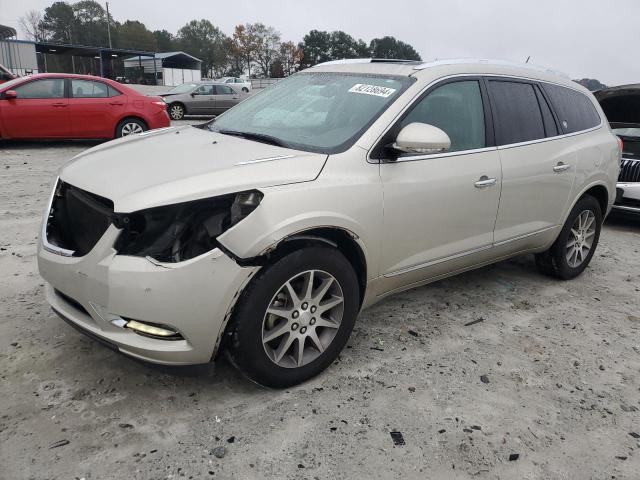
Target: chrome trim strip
526, 235
436, 261
626, 209
43, 235
441, 155
267, 159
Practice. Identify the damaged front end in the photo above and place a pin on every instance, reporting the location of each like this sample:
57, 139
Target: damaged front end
180, 232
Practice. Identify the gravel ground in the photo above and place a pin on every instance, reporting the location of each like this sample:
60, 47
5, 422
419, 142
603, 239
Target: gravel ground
545, 384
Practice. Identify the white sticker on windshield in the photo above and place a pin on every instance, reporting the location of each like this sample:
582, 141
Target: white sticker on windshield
376, 90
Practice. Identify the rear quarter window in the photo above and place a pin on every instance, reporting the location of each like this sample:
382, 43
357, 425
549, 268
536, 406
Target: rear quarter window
574, 109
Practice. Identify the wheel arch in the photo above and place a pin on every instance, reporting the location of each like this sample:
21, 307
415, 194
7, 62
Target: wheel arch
129, 117
342, 239
177, 102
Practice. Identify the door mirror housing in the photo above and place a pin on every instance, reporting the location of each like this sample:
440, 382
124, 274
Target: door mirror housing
422, 138
10, 94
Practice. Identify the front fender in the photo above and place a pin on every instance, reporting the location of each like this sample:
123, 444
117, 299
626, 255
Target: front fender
293, 209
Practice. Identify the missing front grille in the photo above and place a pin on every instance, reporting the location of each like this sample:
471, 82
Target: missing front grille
77, 219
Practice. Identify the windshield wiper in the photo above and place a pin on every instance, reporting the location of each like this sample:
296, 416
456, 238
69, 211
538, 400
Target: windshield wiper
258, 137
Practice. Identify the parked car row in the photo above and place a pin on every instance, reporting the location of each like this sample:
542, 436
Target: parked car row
266, 231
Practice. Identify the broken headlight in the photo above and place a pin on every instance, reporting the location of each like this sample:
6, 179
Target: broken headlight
175, 233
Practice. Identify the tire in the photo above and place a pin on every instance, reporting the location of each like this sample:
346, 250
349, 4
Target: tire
130, 126
176, 111
268, 290
583, 225
245, 89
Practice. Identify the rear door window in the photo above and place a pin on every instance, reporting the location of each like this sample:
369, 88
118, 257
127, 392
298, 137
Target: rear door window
574, 109
88, 89
457, 109
224, 90
517, 114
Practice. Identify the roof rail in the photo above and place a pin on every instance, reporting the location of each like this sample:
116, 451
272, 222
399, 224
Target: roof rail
347, 61
507, 63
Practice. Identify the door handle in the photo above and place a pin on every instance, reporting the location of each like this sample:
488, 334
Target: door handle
485, 182
561, 167
116, 103
59, 104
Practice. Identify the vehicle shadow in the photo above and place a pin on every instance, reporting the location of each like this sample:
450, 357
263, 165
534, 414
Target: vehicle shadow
623, 222
28, 144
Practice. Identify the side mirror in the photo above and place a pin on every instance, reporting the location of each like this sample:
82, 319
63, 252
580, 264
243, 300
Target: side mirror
422, 138
10, 94
193, 94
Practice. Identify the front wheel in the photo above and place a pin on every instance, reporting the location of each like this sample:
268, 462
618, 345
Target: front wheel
245, 89
295, 317
573, 249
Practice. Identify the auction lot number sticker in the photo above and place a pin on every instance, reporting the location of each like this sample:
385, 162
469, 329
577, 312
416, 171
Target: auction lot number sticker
375, 90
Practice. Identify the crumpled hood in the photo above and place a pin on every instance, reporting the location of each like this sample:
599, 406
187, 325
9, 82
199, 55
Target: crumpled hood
174, 165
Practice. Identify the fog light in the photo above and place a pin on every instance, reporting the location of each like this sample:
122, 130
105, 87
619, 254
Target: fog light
153, 330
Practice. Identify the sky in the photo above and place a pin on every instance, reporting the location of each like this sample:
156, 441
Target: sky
583, 38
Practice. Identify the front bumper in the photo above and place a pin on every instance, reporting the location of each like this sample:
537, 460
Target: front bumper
97, 291
628, 197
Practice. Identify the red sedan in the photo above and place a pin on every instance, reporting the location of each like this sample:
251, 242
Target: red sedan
52, 105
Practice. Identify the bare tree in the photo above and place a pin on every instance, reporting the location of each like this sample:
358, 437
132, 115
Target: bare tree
32, 26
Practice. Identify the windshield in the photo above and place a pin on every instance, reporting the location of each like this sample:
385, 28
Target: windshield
317, 112
184, 88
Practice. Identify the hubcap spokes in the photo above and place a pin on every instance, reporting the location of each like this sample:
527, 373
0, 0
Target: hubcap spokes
302, 319
176, 112
130, 129
581, 238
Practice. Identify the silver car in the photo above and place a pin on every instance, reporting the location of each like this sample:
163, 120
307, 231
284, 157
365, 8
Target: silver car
200, 98
265, 232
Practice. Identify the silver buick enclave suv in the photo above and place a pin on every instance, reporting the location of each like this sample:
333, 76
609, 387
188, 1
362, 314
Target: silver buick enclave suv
266, 231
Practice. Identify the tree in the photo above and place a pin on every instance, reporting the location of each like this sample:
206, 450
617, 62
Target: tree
91, 23
245, 45
344, 45
289, 57
203, 40
165, 40
316, 46
32, 26
267, 46
134, 35
390, 47
59, 22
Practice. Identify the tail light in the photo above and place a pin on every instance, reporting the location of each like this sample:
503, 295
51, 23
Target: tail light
160, 104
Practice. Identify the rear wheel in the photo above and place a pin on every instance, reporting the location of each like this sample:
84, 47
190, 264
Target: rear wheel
176, 111
573, 249
295, 317
130, 126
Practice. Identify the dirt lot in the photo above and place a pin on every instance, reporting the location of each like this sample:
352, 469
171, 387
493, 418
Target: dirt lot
545, 385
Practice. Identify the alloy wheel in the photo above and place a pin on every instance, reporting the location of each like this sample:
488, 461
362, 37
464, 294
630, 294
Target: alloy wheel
177, 112
302, 319
131, 128
581, 238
